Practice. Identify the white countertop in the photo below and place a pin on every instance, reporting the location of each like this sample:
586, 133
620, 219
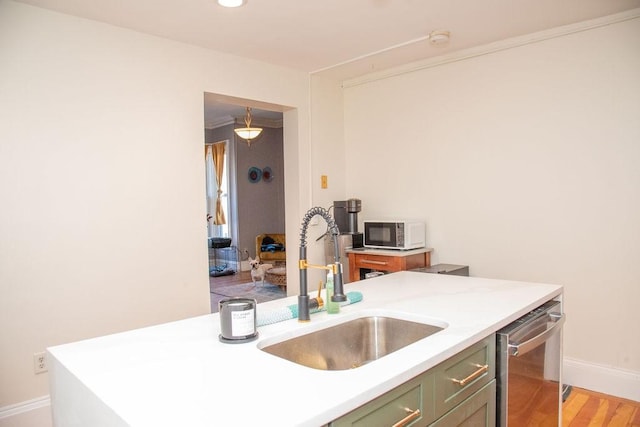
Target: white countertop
180, 374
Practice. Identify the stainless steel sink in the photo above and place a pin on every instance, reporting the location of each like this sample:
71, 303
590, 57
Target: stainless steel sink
351, 344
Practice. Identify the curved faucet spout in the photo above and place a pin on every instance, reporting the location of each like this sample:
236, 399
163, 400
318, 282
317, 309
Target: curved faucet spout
303, 298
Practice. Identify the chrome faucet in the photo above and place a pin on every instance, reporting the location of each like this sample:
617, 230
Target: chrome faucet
304, 304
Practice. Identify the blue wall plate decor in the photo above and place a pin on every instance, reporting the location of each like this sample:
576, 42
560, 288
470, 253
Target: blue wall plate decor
267, 174
255, 174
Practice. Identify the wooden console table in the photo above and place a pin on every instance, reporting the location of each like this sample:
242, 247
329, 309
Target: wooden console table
386, 260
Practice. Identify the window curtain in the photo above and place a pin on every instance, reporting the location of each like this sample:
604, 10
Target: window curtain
218, 162
210, 187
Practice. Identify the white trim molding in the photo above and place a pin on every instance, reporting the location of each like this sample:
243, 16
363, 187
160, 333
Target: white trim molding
494, 47
26, 406
603, 379
222, 121
30, 413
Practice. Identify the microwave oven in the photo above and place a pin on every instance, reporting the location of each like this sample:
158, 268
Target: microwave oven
401, 235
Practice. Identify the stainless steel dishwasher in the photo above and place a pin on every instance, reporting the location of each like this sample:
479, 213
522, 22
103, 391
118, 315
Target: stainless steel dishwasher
529, 367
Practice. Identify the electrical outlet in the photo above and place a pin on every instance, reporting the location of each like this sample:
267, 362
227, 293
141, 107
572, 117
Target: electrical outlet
40, 362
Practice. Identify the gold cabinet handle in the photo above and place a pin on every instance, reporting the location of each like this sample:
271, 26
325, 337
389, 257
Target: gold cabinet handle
370, 261
481, 370
413, 415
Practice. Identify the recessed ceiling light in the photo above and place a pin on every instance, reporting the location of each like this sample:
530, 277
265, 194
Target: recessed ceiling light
230, 3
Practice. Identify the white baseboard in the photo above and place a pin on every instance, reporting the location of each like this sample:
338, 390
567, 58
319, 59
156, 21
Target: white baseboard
603, 379
30, 413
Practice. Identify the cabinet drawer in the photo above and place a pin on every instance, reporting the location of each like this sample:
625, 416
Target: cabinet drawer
464, 374
379, 262
478, 410
394, 406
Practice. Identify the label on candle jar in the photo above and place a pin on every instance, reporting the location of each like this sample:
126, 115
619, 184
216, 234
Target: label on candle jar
243, 323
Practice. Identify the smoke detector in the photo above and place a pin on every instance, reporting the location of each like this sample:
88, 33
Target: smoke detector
439, 37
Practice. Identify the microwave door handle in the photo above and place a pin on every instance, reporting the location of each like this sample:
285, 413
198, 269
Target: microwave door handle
527, 346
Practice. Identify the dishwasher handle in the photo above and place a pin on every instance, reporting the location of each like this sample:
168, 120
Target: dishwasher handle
557, 320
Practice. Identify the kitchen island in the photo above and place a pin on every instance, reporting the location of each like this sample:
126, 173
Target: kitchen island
180, 374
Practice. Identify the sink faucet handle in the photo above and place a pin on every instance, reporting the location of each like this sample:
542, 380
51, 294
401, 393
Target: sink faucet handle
303, 264
319, 297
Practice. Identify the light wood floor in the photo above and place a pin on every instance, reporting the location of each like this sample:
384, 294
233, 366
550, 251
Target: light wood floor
591, 409
583, 408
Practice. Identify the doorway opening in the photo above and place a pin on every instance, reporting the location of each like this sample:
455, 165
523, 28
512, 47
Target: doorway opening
251, 197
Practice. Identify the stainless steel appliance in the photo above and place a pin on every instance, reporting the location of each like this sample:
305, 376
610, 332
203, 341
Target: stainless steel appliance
345, 241
528, 368
345, 213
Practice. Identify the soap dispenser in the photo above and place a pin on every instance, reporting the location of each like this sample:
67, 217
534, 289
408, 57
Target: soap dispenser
332, 307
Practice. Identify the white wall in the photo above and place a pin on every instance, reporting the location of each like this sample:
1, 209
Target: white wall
525, 164
102, 179
327, 136
327, 158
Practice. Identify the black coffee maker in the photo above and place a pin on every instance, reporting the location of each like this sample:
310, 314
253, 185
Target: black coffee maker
345, 213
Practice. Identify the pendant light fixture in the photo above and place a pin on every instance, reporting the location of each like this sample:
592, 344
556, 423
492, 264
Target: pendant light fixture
248, 132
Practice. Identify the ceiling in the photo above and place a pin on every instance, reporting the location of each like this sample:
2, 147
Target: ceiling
352, 36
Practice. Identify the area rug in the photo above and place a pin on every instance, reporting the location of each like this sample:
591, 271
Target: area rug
260, 292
